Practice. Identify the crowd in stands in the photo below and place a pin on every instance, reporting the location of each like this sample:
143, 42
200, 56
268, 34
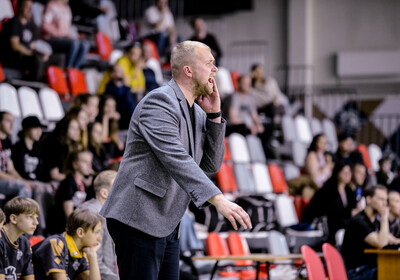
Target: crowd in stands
48, 177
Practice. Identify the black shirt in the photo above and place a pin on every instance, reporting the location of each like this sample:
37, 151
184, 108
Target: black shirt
353, 243
14, 28
28, 163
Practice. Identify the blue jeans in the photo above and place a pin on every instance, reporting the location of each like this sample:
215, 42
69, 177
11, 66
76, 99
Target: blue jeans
144, 257
363, 272
75, 50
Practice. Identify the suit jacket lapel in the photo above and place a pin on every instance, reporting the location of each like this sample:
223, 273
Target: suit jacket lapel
185, 110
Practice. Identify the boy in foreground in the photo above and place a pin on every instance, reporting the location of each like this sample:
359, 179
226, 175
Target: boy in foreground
70, 254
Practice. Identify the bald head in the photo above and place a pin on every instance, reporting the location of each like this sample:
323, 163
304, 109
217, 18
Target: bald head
184, 54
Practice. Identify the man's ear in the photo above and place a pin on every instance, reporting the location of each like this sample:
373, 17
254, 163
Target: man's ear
188, 71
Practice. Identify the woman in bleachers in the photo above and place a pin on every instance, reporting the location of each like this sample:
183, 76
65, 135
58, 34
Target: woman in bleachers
335, 200
57, 146
57, 31
109, 117
82, 117
318, 164
89, 103
102, 152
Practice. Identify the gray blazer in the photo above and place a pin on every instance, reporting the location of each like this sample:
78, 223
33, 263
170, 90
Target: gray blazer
158, 176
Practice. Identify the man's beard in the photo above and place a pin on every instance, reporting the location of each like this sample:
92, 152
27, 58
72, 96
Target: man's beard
201, 89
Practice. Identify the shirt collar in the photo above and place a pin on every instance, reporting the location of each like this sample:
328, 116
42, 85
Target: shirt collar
72, 248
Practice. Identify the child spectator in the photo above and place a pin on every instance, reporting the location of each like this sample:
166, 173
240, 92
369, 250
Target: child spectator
28, 161
15, 252
72, 254
56, 147
109, 118
89, 103
11, 182
131, 65
124, 97
385, 176
106, 257
72, 191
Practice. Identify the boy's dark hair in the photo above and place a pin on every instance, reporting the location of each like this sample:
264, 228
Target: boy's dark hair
370, 191
2, 216
21, 205
82, 218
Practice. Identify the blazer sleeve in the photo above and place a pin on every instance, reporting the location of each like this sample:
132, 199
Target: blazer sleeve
159, 123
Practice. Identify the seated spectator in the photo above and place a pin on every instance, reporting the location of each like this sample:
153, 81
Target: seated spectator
149, 77
395, 185
19, 48
366, 231
159, 26
384, 176
11, 182
72, 191
152, 63
267, 94
56, 30
131, 65
82, 117
318, 164
89, 103
2, 220
243, 110
57, 146
202, 35
358, 182
109, 118
347, 151
15, 251
72, 254
335, 200
28, 161
394, 213
103, 152
124, 97
106, 256
85, 12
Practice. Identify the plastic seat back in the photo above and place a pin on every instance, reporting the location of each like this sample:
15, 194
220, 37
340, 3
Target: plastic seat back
6, 9
57, 80
226, 179
52, 108
224, 81
277, 243
277, 179
334, 263
216, 245
76, 81
114, 56
227, 154
238, 148
315, 268
9, 100
244, 178
29, 101
238, 246
261, 178
299, 153
303, 130
104, 45
285, 211
2, 76
364, 152
375, 154
256, 149
316, 126
235, 77
288, 129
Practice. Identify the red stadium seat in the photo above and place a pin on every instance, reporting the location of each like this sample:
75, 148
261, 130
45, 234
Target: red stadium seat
277, 179
364, 152
153, 47
76, 81
315, 268
2, 76
235, 76
226, 179
104, 46
334, 263
58, 82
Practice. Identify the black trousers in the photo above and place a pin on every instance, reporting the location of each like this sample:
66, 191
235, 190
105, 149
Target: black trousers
144, 257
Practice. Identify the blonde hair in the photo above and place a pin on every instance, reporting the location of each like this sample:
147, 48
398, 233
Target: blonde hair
21, 205
104, 180
184, 54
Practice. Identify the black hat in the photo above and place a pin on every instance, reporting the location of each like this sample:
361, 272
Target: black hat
30, 122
